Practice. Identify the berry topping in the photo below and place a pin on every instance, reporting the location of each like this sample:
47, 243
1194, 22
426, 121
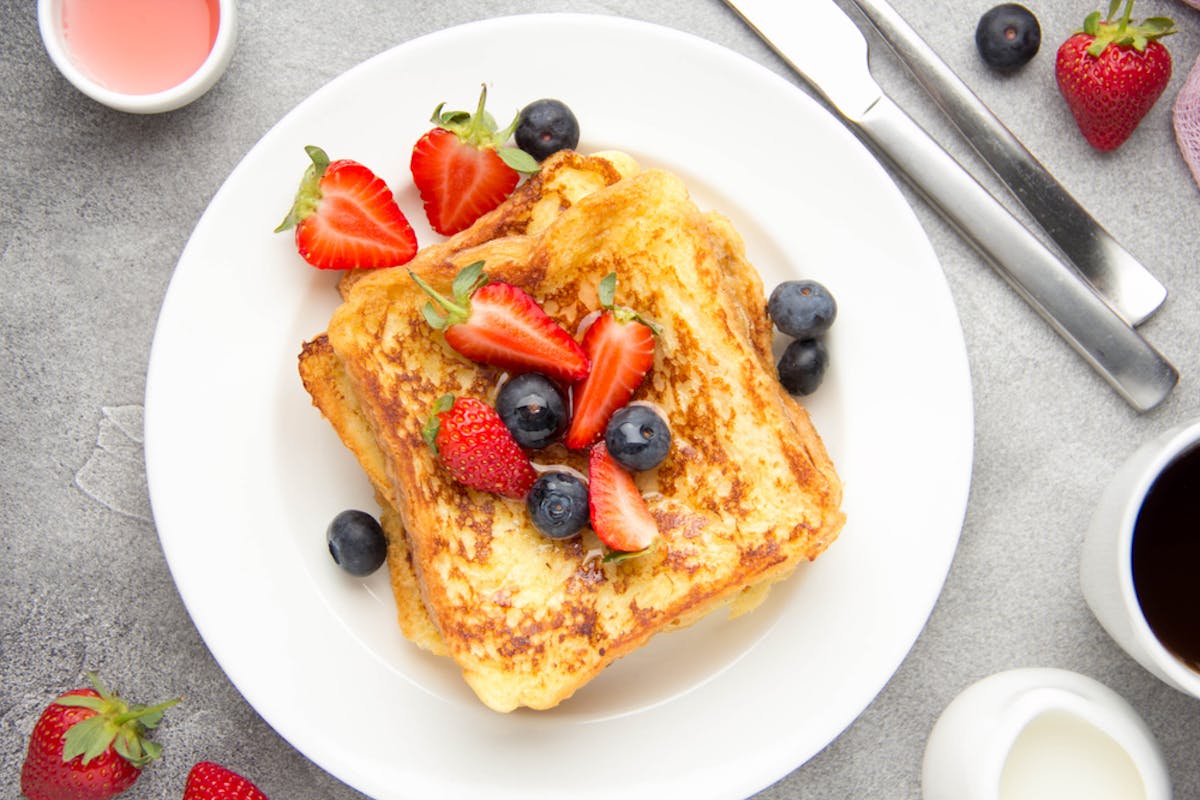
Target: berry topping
346, 218
558, 504
546, 126
461, 168
533, 408
638, 437
802, 366
802, 309
356, 542
1008, 37
475, 446
620, 346
501, 325
618, 512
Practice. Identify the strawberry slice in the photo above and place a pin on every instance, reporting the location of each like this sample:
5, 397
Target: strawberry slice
346, 217
501, 325
620, 346
461, 168
618, 512
474, 444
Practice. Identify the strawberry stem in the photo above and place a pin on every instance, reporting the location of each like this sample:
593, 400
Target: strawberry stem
1126, 17
478, 133
455, 312
458, 310
1122, 31
115, 724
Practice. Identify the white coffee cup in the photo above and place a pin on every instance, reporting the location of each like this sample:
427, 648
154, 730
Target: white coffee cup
1106, 560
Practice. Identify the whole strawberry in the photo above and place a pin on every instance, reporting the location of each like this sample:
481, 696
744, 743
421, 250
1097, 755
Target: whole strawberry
1113, 72
462, 168
209, 781
89, 745
474, 444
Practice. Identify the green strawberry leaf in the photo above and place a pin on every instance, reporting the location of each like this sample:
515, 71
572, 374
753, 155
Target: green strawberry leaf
607, 290
518, 159
1156, 27
616, 556
308, 196
435, 320
88, 738
468, 279
1091, 23
430, 430
82, 701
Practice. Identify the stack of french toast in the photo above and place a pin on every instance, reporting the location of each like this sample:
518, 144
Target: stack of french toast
746, 493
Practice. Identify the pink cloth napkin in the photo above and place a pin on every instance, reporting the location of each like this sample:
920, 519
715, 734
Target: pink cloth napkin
1187, 118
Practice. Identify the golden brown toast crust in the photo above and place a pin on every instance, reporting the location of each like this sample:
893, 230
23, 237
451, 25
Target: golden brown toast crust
746, 494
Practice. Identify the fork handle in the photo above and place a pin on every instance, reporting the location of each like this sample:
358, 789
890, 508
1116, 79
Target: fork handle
1107, 341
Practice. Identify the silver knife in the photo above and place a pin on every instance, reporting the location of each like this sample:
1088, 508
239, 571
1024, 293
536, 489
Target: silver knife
835, 64
1111, 269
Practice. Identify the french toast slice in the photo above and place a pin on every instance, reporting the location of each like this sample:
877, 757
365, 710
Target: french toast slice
563, 179
746, 494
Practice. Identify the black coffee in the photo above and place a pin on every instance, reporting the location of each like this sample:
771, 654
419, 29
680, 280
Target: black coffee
1166, 557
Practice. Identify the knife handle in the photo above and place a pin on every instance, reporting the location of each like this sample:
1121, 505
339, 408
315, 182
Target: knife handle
1113, 270
1107, 341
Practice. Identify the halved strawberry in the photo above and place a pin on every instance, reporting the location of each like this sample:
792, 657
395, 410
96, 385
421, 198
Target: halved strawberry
462, 169
618, 512
501, 325
620, 346
474, 444
346, 217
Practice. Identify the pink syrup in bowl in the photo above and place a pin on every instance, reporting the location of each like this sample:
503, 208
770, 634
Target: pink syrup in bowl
140, 46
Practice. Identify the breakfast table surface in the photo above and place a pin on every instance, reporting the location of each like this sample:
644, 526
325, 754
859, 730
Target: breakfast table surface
99, 205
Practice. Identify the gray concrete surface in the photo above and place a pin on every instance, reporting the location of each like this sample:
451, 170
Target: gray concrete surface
97, 206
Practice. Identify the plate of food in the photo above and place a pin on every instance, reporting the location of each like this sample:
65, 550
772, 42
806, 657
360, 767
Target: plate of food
718, 616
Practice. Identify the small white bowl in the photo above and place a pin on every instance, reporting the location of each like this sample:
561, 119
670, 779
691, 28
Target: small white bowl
50, 21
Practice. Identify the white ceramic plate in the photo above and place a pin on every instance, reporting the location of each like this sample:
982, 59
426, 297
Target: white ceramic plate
244, 474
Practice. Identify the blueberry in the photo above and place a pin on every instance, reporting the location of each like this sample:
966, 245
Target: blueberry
356, 542
1007, 37
558, 504
637, 437
802, 309
546, 126
533, 409
802, 366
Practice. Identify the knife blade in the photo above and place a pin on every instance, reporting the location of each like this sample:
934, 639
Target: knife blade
835, 65
1130, 288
